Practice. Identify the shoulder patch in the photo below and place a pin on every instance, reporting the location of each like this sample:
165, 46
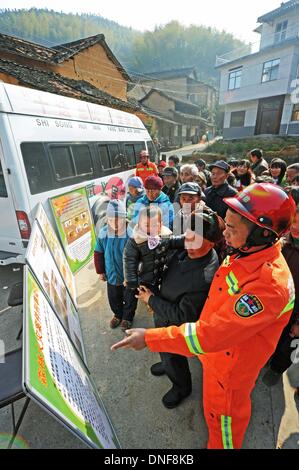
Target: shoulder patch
248, 305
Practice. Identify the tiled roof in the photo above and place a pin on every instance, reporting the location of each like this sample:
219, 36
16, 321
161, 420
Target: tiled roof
58, 53
27, 49
69, 49
282, 10
56, 83
172, 98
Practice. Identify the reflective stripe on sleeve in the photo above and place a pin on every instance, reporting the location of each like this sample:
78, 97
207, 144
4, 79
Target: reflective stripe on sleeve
192, 340
232, 283
226, 431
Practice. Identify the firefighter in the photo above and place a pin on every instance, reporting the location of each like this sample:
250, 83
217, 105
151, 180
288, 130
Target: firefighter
249, 304
145, 167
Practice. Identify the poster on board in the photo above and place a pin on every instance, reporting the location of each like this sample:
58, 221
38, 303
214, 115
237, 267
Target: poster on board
55, 376
75, 226
41, 262
57, 251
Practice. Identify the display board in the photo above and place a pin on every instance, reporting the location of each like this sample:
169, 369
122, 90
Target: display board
55, 376
75, 227
41, 262
57, 251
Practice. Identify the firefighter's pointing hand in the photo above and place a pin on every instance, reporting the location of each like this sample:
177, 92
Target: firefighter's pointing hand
134, 340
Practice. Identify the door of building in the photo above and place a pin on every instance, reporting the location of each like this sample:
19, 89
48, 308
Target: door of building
269, 115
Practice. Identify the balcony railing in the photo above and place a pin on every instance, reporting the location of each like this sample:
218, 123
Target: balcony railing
234, 55
254, 47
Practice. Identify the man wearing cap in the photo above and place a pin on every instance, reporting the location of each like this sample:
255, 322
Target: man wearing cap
154, 195
171, 183
145, 167
220, 188
242, 320
190, 198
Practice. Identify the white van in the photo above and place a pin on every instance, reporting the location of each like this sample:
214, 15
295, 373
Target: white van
51, 144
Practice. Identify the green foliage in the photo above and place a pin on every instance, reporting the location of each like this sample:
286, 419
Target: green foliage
270, 146
167, 47
176, 46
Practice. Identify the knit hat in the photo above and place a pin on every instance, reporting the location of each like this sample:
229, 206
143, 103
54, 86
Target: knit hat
162, 164
116, 208
153, 182
136, 182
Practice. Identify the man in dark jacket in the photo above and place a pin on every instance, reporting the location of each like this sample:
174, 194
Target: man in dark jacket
259, 164
171, 183
220, 188
184, 290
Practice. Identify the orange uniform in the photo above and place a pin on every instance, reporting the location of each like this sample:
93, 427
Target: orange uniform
249, 304
143, 171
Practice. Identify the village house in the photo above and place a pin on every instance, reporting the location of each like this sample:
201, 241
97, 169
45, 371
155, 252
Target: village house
177, 122
259, 91
84, 69
182, 107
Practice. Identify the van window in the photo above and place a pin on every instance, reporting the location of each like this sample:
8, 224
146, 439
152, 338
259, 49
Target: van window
63, 163
152, 150
130, 154
138, 147
115, 156
110, 157
104, 157
82, 160
3, 191
37, 167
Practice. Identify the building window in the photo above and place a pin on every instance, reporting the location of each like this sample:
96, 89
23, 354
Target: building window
280, 32
270, 70
234, 79
237, 119
295, 114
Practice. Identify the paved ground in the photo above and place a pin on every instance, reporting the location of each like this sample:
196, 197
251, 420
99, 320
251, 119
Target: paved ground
189, 149
132, 396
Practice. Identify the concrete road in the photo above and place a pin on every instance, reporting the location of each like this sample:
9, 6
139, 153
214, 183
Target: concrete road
132, 395
189, 149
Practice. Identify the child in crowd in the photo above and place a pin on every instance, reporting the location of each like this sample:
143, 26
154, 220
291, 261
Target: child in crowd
145, 252
135, 192
108, 259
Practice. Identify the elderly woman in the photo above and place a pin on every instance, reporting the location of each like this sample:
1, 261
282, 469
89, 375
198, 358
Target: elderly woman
188, 173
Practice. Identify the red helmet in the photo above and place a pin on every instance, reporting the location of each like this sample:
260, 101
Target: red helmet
266, 205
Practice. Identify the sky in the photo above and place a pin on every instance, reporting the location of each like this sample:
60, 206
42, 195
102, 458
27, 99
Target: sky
235, 16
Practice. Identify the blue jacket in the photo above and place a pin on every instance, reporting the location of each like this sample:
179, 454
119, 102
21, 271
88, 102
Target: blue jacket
164, 204
113, 248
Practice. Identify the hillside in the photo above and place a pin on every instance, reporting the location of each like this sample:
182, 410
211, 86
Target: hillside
170, 46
